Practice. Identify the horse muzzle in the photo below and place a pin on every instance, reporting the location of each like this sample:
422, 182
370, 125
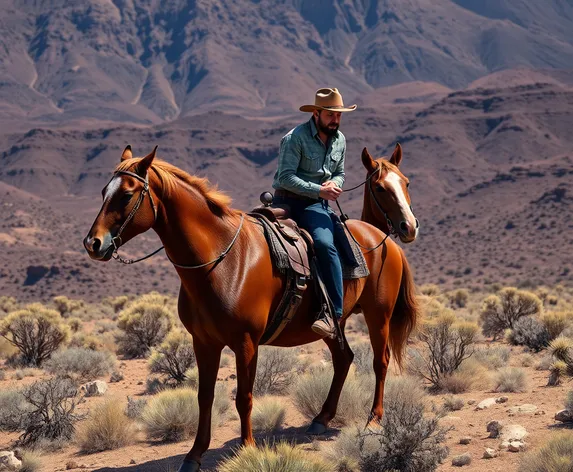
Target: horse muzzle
99, 248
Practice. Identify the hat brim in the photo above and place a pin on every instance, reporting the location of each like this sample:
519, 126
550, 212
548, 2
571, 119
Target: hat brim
311, 108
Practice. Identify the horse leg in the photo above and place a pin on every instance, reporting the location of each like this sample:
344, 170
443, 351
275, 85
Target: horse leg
246, 359
341, 361
208, 357
378, 322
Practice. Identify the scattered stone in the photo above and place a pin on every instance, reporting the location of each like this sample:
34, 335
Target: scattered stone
132, 461
71, 465
516, 446
464, 459
484, 404
140, 382
526, 409
95, 388
513, 432
501, 400
465, 440
540, 412
565, 416
490, 453
116, 376
9, 462
494, 428
471, 402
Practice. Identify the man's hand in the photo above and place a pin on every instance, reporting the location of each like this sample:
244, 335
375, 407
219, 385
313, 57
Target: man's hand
329, 191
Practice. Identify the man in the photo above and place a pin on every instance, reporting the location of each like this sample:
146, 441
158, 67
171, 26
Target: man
310, 174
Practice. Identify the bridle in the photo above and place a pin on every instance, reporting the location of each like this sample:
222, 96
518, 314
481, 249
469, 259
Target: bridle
116, 240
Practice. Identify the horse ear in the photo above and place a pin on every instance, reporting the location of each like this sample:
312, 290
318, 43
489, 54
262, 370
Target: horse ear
126, 153
367, 160
145, 163
397, 155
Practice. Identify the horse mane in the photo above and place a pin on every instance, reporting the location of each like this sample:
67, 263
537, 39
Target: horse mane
170, 176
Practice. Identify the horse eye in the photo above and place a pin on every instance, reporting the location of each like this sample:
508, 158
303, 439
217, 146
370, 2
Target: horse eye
126, 198
379, 188
407, 184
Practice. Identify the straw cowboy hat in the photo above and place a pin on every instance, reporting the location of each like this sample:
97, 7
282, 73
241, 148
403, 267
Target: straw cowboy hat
327, 99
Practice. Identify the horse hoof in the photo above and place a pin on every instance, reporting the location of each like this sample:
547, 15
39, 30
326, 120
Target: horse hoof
374, 425
316, 428
192, 466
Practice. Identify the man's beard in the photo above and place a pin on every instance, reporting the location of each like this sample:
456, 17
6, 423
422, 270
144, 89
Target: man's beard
329, 131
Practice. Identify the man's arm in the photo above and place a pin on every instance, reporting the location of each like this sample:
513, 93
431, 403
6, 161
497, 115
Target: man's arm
290, 154
338, 174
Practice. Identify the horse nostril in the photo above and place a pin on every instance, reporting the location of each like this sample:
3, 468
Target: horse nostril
96, 245
403, 226
417, 223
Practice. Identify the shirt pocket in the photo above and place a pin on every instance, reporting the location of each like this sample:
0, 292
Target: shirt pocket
335, 157
312, 161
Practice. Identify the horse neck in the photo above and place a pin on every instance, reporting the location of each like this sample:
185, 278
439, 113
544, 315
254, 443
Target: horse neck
371, 214
191, 233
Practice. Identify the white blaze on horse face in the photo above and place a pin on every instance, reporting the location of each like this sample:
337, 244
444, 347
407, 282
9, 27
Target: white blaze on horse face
393, 182
112, 187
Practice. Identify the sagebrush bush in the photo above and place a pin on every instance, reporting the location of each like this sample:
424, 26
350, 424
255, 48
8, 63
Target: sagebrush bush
13, 410
493, 357
452, 403
511, 379
143, 326
363, 357
309, 391
562, 351
554, 456
116, 303
80, 363
31, 461
268, 414
556, 322
526, 360
75, 324
36, 331
106, 428
346, 452
447, 343
410, 440
431, 290
276, 367
173, 357
7, 305
528, 331
569, 401
135, 407
500, 312
67, 306
459, 298
282, 457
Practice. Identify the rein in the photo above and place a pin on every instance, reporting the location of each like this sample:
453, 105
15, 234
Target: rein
116, 240
344, 216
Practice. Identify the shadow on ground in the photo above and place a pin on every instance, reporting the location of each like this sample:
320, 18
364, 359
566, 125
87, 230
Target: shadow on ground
213, 456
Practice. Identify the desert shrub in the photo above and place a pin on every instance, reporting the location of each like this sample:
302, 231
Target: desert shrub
116, 376
346, 452
569, 401
430, 290
173, 357
433, 308
556, 322
83, 364
75, 324
470, 374
44, 411
135, 407
2, 374
459, 298
359, 323
562, 351
7, 305
309, 391
143, 326
281, 457
192, 376
410, 440
66, 306
493, 357
116, 303
7, 349
554, 456
447, 344
106, 428
31, 461
527, 331
225, 361
276, 367
268, 414
154, 385
526, 360
500, 312
510, 379
36, 331
363, 357
452, 403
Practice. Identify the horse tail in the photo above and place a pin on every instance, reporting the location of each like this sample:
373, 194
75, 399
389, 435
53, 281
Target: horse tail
405, 315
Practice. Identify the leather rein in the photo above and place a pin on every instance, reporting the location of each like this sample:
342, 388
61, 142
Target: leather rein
116, 240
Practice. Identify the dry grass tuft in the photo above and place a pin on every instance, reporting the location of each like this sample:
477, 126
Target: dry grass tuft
268, 414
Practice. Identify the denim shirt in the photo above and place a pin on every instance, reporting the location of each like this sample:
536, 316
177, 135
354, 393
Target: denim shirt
305, 162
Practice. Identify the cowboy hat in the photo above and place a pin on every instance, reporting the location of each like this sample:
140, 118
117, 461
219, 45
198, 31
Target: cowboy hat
327, 99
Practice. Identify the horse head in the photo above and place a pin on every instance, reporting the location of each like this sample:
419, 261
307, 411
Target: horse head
128, 207
387, 203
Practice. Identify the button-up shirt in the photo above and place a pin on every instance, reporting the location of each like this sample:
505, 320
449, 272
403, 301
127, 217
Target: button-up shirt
305, 162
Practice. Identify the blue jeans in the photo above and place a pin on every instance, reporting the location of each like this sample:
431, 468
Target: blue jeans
315, 218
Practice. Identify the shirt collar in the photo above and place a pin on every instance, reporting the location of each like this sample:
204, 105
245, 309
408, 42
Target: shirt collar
314, 130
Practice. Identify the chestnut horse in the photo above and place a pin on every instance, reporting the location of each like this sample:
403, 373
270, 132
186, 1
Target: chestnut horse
229, 287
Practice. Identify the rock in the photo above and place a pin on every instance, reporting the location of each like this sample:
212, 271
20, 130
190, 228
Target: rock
116, 376
9, 462
513, 432
565, 416
471, 402
516, 446
526, 409
132, 461
490, 453
494, 428
465, 440
464, 459
540, 412
501, 400
484, 404
95, 388
72, 465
